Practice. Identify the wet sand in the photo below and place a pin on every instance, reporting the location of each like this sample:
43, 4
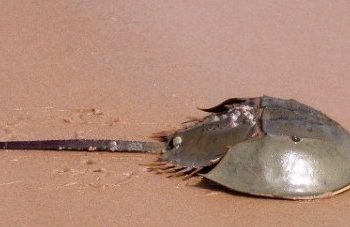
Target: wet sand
116, 69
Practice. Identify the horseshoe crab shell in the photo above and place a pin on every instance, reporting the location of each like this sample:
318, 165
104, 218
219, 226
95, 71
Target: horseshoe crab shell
276, 166
265, 146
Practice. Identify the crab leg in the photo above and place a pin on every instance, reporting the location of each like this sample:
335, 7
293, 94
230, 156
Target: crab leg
181, 172
193, 173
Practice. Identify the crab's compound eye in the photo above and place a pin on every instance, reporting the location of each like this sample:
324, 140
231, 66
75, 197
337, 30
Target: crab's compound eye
295, 139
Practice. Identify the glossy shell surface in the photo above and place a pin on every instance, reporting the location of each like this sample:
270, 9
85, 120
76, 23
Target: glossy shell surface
265, 146
276, 166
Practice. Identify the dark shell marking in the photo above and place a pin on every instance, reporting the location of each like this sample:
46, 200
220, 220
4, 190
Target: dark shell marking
263, 146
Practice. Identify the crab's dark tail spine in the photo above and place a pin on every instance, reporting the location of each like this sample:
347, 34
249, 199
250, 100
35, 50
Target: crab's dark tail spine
85, 145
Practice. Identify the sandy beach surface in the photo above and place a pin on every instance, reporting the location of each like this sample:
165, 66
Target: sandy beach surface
125, 69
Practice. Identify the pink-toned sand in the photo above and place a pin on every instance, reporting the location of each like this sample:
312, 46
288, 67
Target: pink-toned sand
125, 69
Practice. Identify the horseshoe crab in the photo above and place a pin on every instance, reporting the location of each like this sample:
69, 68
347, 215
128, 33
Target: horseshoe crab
261, 146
